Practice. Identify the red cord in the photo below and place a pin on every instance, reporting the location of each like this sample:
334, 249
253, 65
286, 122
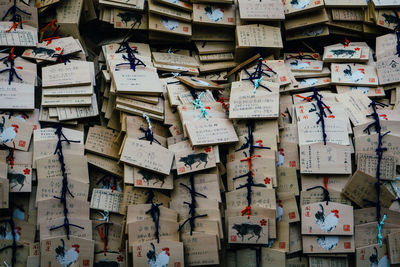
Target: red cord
15, 25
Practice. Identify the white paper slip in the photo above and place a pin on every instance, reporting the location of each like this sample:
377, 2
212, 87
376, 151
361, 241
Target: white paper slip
17, 96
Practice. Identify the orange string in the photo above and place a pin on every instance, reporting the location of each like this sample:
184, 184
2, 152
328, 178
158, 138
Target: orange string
224, 105
247, 211
326, 182
51, 23
305, 98
346, 42
15, 25
248, 159
102, 236
48, 40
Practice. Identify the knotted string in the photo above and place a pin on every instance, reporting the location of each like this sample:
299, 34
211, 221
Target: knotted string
198, 104
103, 231
15, 25
52, 24
379, 152
224, 105
325, 190
11, 70
346, 42
256, 76
191, 205
301, 56
64, 189
174, 74
249, 182
250, 140
380, 225
54, 28
14, 245
63, 58
321, 108
154, 212
256, 84
193, 93
133, 60
396, 30
107, 182
16, 18
148, 134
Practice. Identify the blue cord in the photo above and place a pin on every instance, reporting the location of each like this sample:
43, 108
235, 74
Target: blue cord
154, 212
191, 205
65, 189
379, 152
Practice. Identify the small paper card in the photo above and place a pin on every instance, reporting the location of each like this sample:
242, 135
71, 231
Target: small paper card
175, 59
194, 160
245, 102
295, 7
243, 230
211, 132
365, 256
388, 70
142, 154
168, 25
367, 163
20, 178
345, 54
354, 74
124, 19
357, 106
264, 10
43, 52
51, 187
61, 251
327, 219
261, 197
52, 208
304, 65
166, 252
86, 232
329, 158
106, 164
17, 96
105, 199
328, 244
200, 249
74, 73
212, 14
26, 37
102, 140
75, 167
258, 36
144, 231
148, 179
15, 133
362, 186
141, 81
